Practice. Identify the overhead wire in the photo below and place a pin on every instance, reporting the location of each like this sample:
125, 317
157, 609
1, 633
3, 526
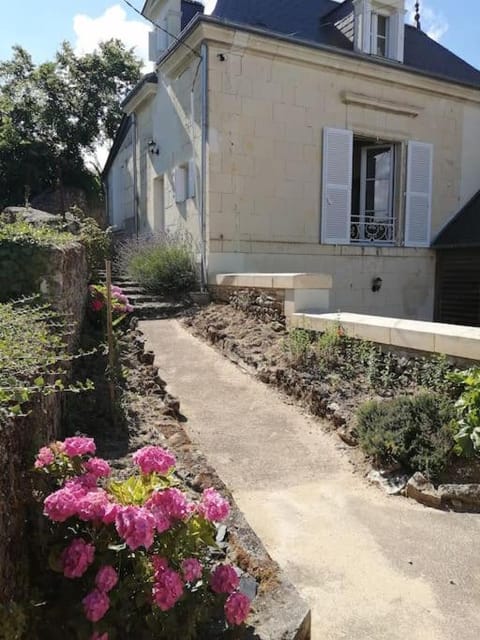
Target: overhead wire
158, 26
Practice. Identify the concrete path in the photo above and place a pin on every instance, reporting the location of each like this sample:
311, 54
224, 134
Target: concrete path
371, 567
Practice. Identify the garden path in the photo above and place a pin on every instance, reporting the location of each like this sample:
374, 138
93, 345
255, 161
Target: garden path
372, 567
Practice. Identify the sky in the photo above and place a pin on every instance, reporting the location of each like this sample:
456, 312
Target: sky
41, 26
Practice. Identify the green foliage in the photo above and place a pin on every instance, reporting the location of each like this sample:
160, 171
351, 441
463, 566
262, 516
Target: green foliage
55, 113
161, 264
298, 344
33, 354
97, 242
24, 233
414, 431
467, 424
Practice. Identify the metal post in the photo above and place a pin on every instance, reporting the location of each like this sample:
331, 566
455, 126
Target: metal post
110, 337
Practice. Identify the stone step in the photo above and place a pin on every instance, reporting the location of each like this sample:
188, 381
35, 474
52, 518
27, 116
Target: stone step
153, 310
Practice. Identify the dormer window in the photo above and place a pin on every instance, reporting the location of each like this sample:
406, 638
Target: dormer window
380, 26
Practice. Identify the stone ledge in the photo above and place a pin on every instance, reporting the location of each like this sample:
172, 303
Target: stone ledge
450, 340
274, 280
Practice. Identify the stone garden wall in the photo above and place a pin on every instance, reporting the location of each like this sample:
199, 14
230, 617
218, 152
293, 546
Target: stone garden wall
61, 275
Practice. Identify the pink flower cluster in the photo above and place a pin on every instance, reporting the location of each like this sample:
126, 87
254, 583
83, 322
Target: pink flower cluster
98, 467
167, 506
213, 507
154, 460
224, 579
98, 299
79, 446
191, 569
167, 587
135, 525
79, 498
237, 608
76, 558
45, 458
97, 603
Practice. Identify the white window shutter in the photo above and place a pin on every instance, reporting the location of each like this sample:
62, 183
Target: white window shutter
152, 46
396, 36
418, 208
337, 185
180, 184
191, 178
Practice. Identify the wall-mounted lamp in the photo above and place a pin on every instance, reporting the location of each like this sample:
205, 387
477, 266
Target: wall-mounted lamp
376, 284
221, 57
153, 147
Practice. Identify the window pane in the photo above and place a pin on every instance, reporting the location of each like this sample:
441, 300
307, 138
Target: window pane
381, 47
382, 26
379, 163
379, 166
382, 193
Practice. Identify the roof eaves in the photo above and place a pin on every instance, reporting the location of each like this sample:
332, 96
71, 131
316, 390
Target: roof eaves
120, 136
312, 45
149, 78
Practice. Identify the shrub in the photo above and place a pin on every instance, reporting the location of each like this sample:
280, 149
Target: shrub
97, 242
467, 423
414, 431
161, 264
133, 556
97, 304
25, 233
298, 344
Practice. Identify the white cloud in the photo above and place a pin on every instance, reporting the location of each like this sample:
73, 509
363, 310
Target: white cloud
434, 23
111, 24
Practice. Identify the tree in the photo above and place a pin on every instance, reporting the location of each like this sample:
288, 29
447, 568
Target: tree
54, 115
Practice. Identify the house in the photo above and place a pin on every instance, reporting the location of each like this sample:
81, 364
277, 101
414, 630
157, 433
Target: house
302, 136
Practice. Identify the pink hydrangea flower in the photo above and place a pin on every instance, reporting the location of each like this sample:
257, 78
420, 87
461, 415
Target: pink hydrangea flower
96, 604
45, 457
85, 482
92, 505
97, 636
62, 504
98, 467
79, 446
76, 558
159, 564
213, 507
168, 505
191, 569
224, 579
106, 578
110, 512
96, 305
154, 460
237, 608
135, 525
167, 589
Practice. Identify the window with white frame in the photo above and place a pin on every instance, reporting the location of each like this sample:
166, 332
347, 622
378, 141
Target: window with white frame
358, 191
380, 35
372, 217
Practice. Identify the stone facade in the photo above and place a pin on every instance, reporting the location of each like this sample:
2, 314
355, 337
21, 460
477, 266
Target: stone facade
269, 103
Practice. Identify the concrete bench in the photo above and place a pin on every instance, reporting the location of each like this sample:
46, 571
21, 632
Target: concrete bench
302, 292
448, 339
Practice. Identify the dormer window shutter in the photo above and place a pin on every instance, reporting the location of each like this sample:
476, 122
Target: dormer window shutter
337, 186
418, 209
396, 37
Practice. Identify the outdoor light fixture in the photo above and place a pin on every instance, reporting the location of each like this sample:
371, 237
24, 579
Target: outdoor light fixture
376, 284
153, 147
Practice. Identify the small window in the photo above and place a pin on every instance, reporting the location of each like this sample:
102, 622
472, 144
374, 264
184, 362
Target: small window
380, 27
180, 177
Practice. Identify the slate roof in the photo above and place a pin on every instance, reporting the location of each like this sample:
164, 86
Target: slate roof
190, 8
463, 230
313, 21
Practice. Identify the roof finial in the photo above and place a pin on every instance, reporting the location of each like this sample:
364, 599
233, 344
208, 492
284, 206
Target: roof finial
417, 15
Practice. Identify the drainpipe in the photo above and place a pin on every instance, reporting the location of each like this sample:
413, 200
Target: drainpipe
135, 173
203, 189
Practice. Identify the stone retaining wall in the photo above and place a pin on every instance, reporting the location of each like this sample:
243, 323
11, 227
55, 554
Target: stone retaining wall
61, 275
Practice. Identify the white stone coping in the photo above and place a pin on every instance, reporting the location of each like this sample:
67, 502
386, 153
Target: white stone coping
448, 339
274, 280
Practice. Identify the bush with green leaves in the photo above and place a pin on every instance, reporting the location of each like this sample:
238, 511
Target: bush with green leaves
163, 264
415, 431
134, 558
97, 242
467, 424
23, 232
33, 354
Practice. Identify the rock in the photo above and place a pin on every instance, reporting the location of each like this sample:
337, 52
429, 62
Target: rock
348, 435
392, 483
423, 491
248, 586
460, 495
333, 407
